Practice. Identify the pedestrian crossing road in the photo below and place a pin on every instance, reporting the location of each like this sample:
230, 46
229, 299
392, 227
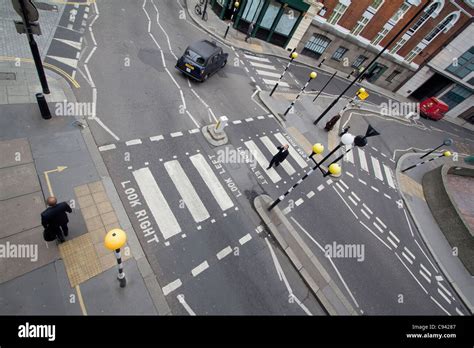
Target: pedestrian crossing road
268, 72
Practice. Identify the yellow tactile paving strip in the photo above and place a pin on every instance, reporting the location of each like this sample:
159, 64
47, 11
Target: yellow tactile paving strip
410, 186
86, 256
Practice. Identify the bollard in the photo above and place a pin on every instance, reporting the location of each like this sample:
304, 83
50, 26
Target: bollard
114, 240
43, 106
221, 124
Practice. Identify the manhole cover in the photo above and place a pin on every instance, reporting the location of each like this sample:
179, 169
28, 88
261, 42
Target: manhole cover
7, 76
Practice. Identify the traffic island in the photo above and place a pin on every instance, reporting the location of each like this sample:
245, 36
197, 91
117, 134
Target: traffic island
215, 133
303, 259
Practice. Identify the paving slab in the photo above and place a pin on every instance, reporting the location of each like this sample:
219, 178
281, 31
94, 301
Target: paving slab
14, 152
18, 181
21, 213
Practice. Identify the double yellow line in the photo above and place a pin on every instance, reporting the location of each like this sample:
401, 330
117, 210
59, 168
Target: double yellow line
47, 65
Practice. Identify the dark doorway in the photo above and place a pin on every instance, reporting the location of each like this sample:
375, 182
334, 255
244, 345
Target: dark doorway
431, 87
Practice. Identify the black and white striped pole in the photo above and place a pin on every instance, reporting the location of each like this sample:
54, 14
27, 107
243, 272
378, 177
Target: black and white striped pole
322, 89
236, 6
346, 139
311, 77
446, 142
444, 154
293, 56
114, 240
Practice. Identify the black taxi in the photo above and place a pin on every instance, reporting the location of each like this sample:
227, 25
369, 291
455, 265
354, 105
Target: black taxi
201, 59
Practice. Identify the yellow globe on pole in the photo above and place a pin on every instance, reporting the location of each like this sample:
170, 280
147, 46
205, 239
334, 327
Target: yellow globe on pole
447, 154
334, 169
294, 55
237, 4
318, 148
313, 75
115, 239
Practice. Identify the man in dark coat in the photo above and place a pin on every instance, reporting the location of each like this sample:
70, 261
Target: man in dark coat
250, 31
280, 156
55, 218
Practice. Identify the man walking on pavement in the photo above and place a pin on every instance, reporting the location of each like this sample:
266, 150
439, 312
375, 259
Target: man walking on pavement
280, 156
54, 218
249, 31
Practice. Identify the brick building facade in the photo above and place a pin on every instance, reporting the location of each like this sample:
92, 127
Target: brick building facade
347, 34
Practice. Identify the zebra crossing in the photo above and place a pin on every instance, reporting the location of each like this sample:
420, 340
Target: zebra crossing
371, 165
267, 72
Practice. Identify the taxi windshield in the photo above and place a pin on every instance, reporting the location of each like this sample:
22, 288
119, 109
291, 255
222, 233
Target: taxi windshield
195, 57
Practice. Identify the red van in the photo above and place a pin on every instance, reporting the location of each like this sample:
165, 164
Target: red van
433, 108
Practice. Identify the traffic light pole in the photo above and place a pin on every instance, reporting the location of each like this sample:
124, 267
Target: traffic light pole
361, 73
34, 49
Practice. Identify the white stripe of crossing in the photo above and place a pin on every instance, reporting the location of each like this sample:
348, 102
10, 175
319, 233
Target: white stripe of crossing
392, 242
272, 148
107, 147
156, 202
272, 83
425, 276
406, 257
67, 61
245, 239
444, 296
262, 161
424, 269
133, 142
349, 157
293, 153
177, 134
199, 269
156, 138
259, 59
378, 227
388, 174
171, 287
366, 207
355, 196
212, 182
310, 194
264, 66
299, 202
320, 187
363, 160
377, 170
380, 222
223, 253
186, 190
268, 73
394, 236
409, 252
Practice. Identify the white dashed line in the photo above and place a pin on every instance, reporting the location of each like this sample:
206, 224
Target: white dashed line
223, 253
366, 215
171, 287
260, 117
195, 130
409, 252
366, 207
259, 229
425, 270
392, 242
157, 138
403, 263
299, 202
374, 188
340, 187
378, 227
350, 174
250, 119
107, 147
320, 188
407, 258
245, 239
177, 134
352, 200
362, 182
344, 184
380, 222
355, 196
310, 194
133, 142
199, 269
237, 122
375, 235
444, 296
387, 196
329, 182
394, 236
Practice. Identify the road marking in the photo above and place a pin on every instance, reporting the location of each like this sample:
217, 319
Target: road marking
223, 253
392, 242
272, 148
74, 44
347, 204
380, 222
156, 138
406, 257
340, 187
362, 182
355, 196
293, 152
262, 161
195, 130
374, 188
384, 155
212, 182
329, 182
320, 187
81, 300
444, 296
237, 122
157, 203
264, 66
363, 160
259, 229
459, 312
252, 79
171, 287
366, 215
199, 269
373, 148
375, 235
377, 170
344, 184
260, 117
439, 305
388, 174
250, 119
273, 82
245, 239
107, 147
425, 269
186, 190
378, 227
66, 61
394, 236
188, 309
350, 174
366, 207
429, 261
352, 200
259, 59
446, 290
176, 134
408, 221
349, 157
133, 142
409, 252
403, 263
299, 202
267, 73
387, 196
425, 276
310, 194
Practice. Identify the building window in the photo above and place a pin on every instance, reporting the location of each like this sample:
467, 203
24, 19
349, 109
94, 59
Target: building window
379, 37
397, 46
464, 65
424, 17
414, 52
359, 60
393, 75
445, 24
270, 14
316, 45
337, 13
287, 21
376, 4
456, 96
360, 25
340, 52
401, 12
252, 10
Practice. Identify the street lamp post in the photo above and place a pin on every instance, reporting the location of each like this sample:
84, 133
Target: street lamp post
444, 154
311, 77
293, 56
446, 142
205, 9
322, 89
317, 149
236, 6
114, 240
361, 73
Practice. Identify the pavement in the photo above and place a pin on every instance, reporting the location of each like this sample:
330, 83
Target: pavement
412, 192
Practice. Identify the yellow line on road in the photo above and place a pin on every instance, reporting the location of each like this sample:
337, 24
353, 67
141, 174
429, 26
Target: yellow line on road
59, 169
47, 65
81, 301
